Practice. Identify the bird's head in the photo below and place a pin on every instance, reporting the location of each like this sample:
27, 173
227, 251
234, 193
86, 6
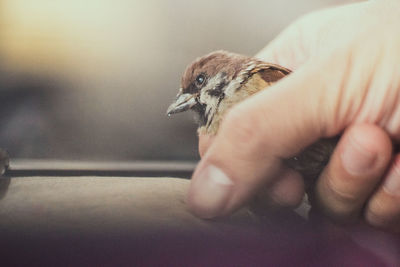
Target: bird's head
213, 83
207, 81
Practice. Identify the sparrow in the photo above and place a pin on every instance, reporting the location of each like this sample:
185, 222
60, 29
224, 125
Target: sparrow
214, 83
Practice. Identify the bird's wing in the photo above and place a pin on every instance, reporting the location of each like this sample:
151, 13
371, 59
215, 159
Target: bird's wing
271, 72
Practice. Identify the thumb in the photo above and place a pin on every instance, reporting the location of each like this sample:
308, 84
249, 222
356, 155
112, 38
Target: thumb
258, 133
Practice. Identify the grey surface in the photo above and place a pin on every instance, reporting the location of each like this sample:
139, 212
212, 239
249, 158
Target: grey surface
64, 168
94, 205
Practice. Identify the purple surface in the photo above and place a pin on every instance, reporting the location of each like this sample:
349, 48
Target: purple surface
279, 242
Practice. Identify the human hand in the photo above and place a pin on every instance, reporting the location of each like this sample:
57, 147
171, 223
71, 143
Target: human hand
346, 80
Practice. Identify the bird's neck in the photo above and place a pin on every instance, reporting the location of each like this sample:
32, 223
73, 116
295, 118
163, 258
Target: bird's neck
217, 107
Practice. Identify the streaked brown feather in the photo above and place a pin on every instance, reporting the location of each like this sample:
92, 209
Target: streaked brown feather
273, 74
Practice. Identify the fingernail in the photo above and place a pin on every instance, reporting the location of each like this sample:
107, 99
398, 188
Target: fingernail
391, 183
209, 192
356, 159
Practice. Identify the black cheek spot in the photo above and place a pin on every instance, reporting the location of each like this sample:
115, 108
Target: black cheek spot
200, 109
218, 90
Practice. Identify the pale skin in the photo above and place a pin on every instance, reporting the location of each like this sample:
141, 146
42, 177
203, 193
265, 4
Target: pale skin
345, 80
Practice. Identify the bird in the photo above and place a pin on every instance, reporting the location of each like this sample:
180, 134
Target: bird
214, 83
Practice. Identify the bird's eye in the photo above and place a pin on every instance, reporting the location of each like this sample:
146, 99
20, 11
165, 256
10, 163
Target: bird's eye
200, 79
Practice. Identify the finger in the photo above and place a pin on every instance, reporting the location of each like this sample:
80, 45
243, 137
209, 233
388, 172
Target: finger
260, 131
383, 209
286, 191
204, 143
355, 168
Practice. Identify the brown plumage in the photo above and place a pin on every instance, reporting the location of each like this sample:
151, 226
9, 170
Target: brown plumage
212, 84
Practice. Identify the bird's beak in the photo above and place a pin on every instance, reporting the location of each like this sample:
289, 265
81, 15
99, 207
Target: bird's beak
182, 103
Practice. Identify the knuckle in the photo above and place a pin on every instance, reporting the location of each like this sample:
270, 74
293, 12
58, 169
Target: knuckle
383, 210
374, 214
338, 203
395, 168
340, 193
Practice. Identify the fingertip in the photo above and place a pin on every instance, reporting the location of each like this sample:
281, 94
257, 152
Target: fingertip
288, 190
209, 192
383, 208
383, 211
373, 139
391, 184
366, 148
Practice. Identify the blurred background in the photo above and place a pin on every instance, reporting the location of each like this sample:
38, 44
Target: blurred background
91, 80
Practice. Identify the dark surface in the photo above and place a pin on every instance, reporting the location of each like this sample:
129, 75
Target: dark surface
275, 245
